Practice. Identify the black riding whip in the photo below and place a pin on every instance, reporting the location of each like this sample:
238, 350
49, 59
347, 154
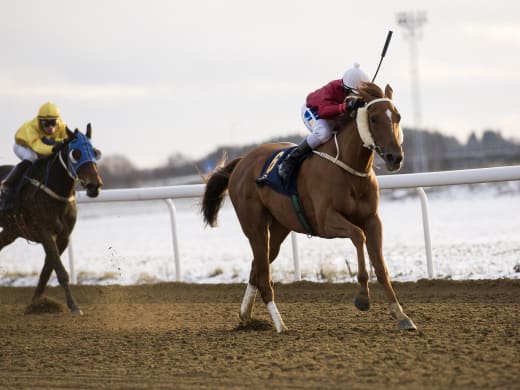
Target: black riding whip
385, 48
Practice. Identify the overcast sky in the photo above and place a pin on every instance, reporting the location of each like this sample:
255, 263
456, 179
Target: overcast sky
160, 77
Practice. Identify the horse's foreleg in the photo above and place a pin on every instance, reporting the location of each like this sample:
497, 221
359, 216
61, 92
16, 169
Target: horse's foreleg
374, 236
53, 261
337, 225
48, 267
362, 299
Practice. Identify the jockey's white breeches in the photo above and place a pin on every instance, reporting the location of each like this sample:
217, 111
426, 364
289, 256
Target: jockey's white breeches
25, 153
319, 128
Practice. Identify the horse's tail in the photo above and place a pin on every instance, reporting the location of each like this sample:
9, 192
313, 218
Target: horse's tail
216, 186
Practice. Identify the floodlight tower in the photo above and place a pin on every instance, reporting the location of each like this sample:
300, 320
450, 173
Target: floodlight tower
412, 23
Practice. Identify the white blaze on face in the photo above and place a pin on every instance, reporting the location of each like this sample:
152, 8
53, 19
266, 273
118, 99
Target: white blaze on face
394, 125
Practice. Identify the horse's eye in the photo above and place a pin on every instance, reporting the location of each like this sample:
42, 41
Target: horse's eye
372, 119
74, 155
97, 153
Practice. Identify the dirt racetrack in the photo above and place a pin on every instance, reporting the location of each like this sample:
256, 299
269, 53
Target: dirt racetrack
183, 336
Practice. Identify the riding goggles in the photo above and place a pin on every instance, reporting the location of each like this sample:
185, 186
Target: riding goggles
48, 122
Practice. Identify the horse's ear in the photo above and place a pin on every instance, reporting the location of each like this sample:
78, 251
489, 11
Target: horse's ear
389, 92
89, 131
70, 134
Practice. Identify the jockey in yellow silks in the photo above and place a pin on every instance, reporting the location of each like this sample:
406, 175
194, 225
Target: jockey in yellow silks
35, 139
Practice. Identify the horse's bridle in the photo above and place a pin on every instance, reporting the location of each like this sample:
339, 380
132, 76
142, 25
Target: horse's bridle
69, 166
366, 138
364, 128
47, 189
338, 162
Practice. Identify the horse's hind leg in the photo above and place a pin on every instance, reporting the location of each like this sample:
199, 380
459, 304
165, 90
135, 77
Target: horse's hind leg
277, 234
53, 262
374, 236
255, 224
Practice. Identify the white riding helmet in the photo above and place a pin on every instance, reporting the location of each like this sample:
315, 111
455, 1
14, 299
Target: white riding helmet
353, 77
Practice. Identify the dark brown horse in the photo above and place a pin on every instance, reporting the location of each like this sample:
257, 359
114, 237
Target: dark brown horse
46, 211
339, 194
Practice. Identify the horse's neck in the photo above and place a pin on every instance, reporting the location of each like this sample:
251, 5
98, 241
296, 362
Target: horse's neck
53, 174
351, 149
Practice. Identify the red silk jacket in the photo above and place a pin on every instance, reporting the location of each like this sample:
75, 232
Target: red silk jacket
329, 100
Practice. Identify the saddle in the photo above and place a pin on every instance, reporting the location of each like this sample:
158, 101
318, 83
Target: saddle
11, 184
269, 176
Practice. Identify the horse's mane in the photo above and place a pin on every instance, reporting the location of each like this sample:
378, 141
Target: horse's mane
366, 90
42, 162
371, 89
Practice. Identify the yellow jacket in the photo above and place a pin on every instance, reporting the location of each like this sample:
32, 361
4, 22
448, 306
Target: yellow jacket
32, 136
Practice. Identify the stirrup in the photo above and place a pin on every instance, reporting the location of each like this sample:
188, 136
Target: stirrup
262, 180
285, 169
6, 200
5, 205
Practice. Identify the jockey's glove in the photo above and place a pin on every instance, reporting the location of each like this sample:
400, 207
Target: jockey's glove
354, 103
57, 146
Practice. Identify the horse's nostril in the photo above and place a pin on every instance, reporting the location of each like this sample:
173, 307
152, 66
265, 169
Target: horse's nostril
393, 161
393, 158
92, 189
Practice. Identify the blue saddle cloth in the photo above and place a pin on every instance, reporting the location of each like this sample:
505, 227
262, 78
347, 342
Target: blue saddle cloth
270, 177
269, 174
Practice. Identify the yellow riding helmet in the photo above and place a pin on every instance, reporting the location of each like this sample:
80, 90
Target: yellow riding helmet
49, 111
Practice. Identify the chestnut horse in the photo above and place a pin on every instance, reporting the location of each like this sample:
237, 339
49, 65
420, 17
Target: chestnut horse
339, 193
46, 210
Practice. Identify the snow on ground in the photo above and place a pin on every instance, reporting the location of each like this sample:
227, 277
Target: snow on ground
475, 232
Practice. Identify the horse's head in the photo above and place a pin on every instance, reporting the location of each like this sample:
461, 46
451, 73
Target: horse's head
378, 125
81, 160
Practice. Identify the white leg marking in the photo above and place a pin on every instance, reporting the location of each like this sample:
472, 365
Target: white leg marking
275, 315
247, 303
397, 311
402, 319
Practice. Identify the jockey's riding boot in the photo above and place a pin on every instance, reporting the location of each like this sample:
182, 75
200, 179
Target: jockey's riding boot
289, 163
8, 189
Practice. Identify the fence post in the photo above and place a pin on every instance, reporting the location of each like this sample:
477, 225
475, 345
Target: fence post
175, 241
72, 272
426, 229
296, 258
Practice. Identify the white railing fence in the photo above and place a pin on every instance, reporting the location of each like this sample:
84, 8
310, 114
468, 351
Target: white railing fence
400, 181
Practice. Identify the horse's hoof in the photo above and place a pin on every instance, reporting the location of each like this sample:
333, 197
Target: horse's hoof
406, 324
76, 312
282, 328
362, 304
244, 320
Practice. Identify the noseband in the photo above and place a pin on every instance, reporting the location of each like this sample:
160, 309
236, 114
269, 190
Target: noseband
364, 128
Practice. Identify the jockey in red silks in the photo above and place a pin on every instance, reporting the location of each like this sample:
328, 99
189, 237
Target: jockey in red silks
328, 102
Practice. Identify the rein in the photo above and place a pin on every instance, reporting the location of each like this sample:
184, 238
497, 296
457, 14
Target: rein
71, 172
49, 191
366, 138
338, 162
